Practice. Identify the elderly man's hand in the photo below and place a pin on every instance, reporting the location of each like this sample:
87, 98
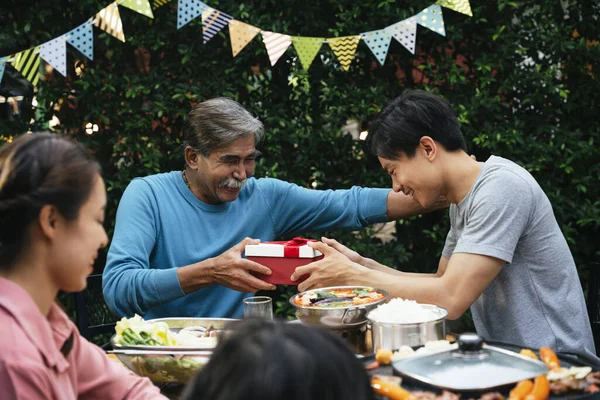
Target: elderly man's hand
335, 269
232, 270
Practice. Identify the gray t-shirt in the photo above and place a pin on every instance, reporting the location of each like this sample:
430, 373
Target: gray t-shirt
536, 299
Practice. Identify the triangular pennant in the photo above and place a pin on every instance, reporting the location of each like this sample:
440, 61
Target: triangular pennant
2, 67
159, 3
432, 18
307, 48
405, 32
276, 44
241, 34
82, 38
27, 63
212, 22
378, 42
188, 10
109, 20
54, 53
141, 6
461, 6
344, 48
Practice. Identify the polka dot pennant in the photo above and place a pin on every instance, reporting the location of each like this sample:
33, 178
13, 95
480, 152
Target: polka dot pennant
2, 67
241, 34
82, 38
378, 42
461, 6
141, 6
188, 10
54, 53
307, 48
432, 18
405, 32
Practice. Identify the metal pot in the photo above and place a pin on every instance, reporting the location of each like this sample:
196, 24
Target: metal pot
393, 335
336, 317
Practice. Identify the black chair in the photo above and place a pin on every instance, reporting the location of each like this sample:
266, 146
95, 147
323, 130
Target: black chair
593, 301
93, 318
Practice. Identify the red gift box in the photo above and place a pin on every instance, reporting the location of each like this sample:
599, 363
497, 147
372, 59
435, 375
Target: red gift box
282, 258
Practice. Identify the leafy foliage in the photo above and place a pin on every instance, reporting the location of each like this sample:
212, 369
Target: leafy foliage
522, 76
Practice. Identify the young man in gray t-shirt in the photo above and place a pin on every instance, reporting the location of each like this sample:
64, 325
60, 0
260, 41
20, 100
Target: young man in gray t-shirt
505, 255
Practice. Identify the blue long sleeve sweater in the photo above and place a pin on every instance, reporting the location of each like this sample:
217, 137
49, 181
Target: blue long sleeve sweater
161, 226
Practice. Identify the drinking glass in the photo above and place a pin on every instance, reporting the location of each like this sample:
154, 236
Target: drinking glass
260, 307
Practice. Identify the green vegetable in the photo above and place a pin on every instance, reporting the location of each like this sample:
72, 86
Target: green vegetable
361, 292
321, 294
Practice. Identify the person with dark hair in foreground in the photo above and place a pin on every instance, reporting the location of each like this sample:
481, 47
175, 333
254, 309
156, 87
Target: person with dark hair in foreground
265, 360
505, 256
52, 201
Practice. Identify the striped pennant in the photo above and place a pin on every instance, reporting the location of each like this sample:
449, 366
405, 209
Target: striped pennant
432, 18
212, 22
141, 6
462, 6
307, 49
379, 43
241, 34
2, 67
405, 32
109, 20
344, 48
27, 63
276, 44
159, 3
82, 38
187, 10
54, 52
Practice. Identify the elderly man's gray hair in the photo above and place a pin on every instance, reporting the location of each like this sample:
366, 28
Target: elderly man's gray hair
217, 123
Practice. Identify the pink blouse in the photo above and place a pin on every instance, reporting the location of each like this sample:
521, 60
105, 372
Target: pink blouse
32, 365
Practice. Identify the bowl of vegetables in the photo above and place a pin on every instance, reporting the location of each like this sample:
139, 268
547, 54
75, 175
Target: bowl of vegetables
167, 350
337, 307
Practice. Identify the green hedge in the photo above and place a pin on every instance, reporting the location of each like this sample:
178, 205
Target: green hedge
521, 75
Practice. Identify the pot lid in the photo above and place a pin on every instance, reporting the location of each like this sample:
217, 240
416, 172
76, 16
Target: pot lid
473, 366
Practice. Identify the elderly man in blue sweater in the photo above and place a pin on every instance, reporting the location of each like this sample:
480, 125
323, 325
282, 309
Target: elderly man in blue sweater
179, 237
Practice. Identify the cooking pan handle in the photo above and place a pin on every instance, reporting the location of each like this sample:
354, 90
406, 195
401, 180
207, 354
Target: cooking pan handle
353, 315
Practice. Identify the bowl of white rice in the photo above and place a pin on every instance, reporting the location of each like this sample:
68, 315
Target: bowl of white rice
406, 323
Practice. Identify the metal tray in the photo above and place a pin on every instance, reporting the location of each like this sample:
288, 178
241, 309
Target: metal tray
176, 324
566, 360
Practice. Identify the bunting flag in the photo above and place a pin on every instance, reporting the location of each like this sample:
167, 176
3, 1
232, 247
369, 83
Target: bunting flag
432, 18
188, 10
405, 32
82, 38
141, 6
2, 67
276, 44
378, 42
159, 3
461, 6
307, 48
344, 48
212, 22
27, 63
109, 20
241, 34
54, 53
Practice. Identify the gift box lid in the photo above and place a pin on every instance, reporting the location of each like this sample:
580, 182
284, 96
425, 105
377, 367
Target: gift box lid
296, 247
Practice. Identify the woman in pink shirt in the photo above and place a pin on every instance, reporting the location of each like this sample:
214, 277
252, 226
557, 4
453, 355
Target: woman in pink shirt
52, 201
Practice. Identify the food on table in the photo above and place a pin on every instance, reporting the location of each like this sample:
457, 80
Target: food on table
521, 391
168, 369
540, 390
528, 353
400, 311
549, 358
335, 298
431, 346
390, 390
137, 332
383, 356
